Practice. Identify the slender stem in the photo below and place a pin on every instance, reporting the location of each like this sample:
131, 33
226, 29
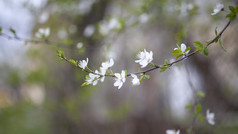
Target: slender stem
49, 42
186, 56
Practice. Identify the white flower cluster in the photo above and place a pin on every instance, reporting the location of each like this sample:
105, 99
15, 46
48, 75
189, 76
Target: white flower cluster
219, 7
170, 131
210, 117
43, 33
120, 78
106, 26
144, 58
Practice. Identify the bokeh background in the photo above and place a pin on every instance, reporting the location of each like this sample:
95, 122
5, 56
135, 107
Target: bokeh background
41, 94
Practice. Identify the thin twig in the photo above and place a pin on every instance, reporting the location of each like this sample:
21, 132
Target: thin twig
185, 57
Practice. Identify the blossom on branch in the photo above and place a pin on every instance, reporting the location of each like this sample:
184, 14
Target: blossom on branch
169, 131
184, 49
83, 63
93, 79
107, 64
144, 58
102, 73
219, 7
210, 117
43, 33
135, 80
120, 79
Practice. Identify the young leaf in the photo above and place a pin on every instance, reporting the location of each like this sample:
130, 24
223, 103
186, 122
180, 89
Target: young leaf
163, 68
200, 117
13, 31
152, 64
179, 56
166, 63
198, 45
200, 94
187, 49
216, 31
231, 15
146, 76
177, 52
61, 54
206, 51
198, 108
125, 72
68, 42
73, 62
236, 9
232, 9
84, 84
221, 45
141, 78
189, 106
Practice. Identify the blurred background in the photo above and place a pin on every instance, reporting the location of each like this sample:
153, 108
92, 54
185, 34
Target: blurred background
41, 94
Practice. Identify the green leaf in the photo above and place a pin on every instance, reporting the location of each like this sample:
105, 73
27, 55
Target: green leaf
13, 31
232, 16
61, 54
187, 49
68, 42
139, 70
73, 62
200, 94
216, 31
189, 106
152, 64
125, 72
177, 52
179, 56
206, 51
163, 68
232, 9
166, 63
221, 45
146, 76
198, 108
200, 117
84, 84
0, 30
141, 78
189, 131
236, 9
198, 45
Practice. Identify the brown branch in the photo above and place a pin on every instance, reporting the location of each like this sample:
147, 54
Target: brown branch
185, 57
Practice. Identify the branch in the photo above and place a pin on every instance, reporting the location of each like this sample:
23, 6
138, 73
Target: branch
185, 57
46, 41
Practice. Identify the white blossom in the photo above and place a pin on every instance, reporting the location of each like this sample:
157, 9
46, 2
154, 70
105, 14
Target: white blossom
83, 63
183, 47
106, 26
144, 58
114, 24
79, 45
135, 80
169, 131
120, 79
210, 117
144, 18
43, 33
219, 7
108, 64
93, 79
89, 30
102, 72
